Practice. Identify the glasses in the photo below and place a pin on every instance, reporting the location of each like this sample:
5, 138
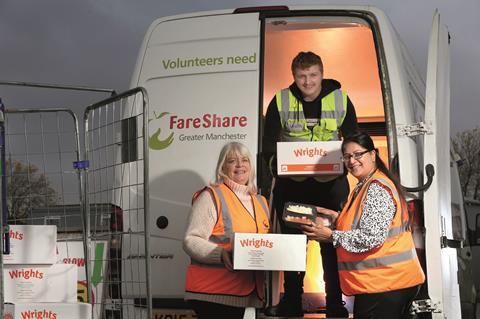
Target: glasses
355, 155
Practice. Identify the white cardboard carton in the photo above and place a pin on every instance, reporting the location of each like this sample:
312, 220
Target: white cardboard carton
48, 311
71, 252
40, 283
32, 244
305, 158
253, 251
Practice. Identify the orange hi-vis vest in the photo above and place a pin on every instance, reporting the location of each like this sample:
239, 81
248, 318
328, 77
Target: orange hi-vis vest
393, 265
232, 217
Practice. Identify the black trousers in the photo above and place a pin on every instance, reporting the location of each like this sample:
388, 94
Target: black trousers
391, 304
210, 310
330, 195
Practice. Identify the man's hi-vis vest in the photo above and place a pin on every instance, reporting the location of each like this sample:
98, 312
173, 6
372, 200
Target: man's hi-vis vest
232, 217
295, 126
393, 265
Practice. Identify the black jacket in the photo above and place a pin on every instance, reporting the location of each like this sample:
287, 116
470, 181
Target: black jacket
273, 127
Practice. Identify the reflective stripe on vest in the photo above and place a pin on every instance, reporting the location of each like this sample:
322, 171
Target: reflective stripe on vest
294, 124
232, 217
262, 203
378, 262
226, 217
391, 265
227, 221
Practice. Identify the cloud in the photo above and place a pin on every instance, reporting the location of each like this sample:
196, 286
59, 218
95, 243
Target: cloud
96, 42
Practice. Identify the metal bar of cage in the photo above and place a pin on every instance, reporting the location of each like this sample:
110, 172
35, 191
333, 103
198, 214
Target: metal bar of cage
5, 239
57, 86
104, 122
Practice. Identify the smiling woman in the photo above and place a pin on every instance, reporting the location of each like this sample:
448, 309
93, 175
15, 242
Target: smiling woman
237, 168
234, 163
374, 228
227, 206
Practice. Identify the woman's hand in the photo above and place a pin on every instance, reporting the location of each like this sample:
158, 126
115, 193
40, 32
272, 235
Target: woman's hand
227, 259
328, 212
316, 231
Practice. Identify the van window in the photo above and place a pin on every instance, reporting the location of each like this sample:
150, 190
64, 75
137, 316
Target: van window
129, 140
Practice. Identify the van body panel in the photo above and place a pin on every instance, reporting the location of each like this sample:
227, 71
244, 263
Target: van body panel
202, 77
398, 79
441, 261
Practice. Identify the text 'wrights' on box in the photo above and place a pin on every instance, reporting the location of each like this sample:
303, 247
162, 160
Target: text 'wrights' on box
253, 251
40, 283
308, 158
48, 311
32, 244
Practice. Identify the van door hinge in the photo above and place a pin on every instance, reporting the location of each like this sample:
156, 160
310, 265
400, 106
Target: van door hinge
415, 129
424, 305
450, 243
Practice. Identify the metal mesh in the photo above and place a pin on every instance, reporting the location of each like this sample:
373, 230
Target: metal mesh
41, 185
98, 205
40, 149
115, 150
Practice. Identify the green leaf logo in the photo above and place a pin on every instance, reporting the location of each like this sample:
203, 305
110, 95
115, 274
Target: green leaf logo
153, 141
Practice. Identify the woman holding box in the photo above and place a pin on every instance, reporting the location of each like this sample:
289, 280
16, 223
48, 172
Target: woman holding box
376, 255
229, 205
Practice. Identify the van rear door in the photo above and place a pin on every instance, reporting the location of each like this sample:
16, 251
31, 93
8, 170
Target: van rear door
202, 76
441, 260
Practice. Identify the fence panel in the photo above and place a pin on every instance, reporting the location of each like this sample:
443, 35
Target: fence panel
39, 183
116, 172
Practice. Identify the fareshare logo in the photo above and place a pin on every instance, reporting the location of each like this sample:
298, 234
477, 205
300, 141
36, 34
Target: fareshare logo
154, 141
203, 127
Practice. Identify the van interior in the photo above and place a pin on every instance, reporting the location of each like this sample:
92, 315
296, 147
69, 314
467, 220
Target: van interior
347, 48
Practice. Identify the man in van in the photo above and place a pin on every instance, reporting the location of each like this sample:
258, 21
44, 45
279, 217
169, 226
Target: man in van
311, 109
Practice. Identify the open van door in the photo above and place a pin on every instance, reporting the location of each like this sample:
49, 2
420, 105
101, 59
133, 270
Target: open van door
201, 73
441, 259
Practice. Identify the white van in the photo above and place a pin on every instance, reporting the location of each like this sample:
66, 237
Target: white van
210, 77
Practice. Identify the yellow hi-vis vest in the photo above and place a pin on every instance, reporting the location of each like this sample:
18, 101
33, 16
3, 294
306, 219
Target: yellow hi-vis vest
295, 127
232, 217
294, 124
391, 266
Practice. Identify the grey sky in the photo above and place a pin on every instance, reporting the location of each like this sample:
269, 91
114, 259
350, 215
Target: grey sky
95, 43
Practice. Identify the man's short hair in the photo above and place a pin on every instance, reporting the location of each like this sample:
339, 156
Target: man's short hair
304, 60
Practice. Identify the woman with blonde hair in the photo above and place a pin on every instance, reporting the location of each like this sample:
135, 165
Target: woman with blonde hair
229, 205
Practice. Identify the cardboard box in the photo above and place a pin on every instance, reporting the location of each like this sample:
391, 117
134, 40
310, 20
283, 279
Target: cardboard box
253, 251
55, 283
305, 158
71, 252
32, 244
48, 311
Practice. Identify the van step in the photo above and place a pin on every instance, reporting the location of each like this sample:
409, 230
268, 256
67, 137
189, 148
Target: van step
306, 316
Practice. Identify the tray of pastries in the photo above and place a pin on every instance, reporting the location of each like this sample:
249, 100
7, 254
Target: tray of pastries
295, 215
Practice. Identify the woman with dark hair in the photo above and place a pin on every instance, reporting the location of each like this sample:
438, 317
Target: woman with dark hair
376, 255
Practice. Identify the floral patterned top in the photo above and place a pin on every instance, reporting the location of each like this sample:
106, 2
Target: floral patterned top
378, 211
